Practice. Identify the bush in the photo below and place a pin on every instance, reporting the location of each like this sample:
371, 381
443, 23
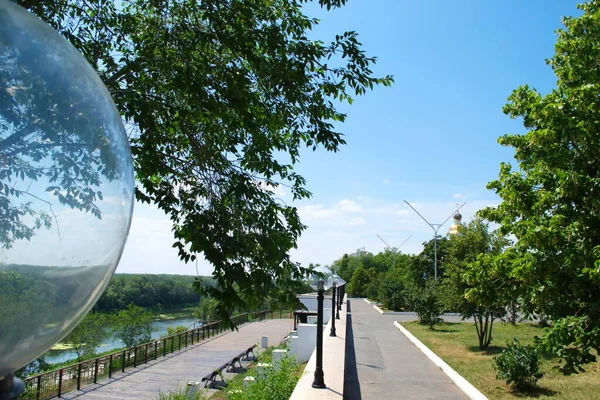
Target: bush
270, 384
518, 365
392, 292
426, 303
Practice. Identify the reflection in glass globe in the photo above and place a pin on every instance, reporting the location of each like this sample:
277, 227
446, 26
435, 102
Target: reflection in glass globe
320, 275
66, 187
338, 281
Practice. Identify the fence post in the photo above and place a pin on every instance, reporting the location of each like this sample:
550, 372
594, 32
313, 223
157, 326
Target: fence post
179, 342
193, 334
203, 329
135, 349
155, 349
186, 339
123, 362
146, 354
172, 344
95, 370
60, 374
110, 366
164, 347
79, 376
39, 387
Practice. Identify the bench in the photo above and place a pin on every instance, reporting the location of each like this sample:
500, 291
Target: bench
211, 378
243, 356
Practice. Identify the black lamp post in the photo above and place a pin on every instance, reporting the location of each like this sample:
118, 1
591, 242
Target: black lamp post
333, 309
320, 280
338, 286
10, 387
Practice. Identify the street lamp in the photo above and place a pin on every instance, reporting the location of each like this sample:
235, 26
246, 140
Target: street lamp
394, 249
332, 331
435, 228
339, 284
320, 280
67, 174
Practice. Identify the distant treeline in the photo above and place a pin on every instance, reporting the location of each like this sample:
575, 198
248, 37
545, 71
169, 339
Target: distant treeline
149, 291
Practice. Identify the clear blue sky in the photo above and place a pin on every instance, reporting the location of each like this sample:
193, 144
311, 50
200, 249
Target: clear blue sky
430, 139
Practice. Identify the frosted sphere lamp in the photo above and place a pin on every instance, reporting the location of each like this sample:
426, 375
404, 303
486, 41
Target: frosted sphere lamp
66, 188
338, 281
320, 278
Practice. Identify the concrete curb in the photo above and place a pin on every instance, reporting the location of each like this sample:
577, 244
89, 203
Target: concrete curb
368, 302
468, 389
378, 309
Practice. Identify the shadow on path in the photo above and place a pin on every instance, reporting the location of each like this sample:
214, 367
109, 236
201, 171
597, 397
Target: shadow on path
351, 383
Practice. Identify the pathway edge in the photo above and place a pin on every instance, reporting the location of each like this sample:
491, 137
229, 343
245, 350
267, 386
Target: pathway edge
464, 385
378, 309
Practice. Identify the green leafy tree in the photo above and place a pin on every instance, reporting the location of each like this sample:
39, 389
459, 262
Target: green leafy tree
393, 291
550, 202
360, 282
477, 276
422, 267
426, 301
133, 325
172, 330
206, 310
221, 96
88, 335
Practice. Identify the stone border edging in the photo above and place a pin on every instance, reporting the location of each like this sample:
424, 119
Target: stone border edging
464, 385
368, 302
378, 309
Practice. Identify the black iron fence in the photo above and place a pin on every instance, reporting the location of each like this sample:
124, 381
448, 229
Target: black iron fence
55, 383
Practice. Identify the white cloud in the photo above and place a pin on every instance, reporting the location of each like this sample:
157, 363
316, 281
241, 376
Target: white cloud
386, 181
279, 191
459, 196
334, 228
349, 206
327, 240
357, 221
316, 211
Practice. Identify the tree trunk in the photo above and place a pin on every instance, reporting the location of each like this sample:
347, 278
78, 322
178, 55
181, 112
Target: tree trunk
513, 313
483, 326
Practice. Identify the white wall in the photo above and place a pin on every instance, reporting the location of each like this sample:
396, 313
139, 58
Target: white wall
310, 301
303, 343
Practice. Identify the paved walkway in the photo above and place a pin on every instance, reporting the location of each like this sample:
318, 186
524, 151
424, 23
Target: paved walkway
172, 372
385, 364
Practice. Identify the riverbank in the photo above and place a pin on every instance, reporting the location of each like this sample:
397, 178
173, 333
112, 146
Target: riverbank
168, 314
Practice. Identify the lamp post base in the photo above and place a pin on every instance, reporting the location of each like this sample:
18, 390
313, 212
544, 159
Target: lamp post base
319, 383
10, 387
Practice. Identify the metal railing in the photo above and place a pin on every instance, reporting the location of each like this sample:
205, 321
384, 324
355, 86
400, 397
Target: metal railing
74, 377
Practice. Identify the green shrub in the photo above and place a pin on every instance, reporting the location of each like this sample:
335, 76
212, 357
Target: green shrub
518, 365
180, 394
270, 384
425, 301
174, 330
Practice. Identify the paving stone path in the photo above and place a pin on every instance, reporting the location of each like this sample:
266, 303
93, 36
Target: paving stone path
192, 363
385, 364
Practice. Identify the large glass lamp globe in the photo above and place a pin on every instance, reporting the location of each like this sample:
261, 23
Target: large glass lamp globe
338, 281
66, 187
320, 278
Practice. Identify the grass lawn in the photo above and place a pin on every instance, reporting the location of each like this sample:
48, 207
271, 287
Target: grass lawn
456, 344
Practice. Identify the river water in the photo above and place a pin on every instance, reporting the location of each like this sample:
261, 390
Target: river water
159, 328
